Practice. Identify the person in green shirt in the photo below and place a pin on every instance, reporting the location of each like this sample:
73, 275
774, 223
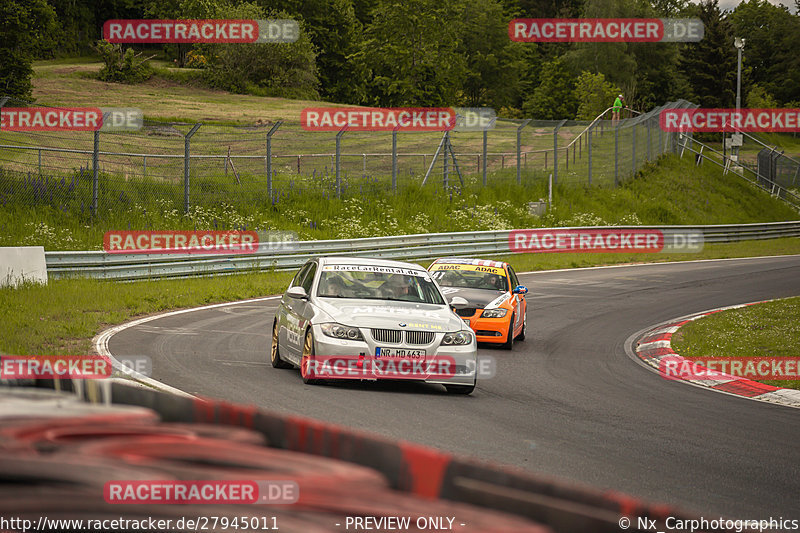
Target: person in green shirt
617, 108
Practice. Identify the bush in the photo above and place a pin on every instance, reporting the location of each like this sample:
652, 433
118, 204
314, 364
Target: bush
122, 67
195, 59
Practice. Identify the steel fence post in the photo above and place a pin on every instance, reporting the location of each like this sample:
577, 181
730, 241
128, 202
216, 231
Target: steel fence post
616, 154
445, 170
649, 157
485, 145
95, 170
633, 145
519, 150
186, 145
339, 162
555, 150
589, 151
394, 160
270, 133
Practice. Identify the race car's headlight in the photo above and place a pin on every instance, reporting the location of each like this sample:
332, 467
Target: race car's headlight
493, 313
339, 331
459, 337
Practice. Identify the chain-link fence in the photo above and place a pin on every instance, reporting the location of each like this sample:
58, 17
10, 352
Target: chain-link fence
179, 165
748, 157
775, 167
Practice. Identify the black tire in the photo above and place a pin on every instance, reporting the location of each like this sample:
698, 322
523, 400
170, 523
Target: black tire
274, 355
509, 344
460, 389
308, 355
521, 336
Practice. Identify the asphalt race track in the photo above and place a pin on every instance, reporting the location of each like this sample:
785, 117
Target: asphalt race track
566, 402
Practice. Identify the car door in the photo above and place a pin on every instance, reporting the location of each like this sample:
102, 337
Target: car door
287, 334
519, 303
298, 311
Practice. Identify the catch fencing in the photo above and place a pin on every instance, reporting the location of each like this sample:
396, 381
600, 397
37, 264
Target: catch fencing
172, 165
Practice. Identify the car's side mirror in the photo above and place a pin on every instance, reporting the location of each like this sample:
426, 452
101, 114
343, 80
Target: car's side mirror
520, 289
458, 302
299, 293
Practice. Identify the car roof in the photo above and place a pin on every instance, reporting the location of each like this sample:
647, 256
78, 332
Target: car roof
341, 260
469, 261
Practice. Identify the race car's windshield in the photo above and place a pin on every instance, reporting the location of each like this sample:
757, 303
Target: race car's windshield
408, 286
470, 279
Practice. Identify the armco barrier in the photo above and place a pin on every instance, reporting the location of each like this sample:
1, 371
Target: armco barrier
425, 474
405, 247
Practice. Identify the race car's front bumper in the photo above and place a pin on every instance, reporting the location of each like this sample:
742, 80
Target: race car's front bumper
442, 364
492, 330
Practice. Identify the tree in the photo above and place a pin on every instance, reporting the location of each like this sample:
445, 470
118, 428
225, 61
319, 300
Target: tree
759, 98
772, 39
614, 60
25, 29
336, 32
495, 65
285, 69
554, 98
710, 65
594, 95
410, 54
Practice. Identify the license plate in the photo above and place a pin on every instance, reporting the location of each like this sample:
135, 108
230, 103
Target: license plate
400, 353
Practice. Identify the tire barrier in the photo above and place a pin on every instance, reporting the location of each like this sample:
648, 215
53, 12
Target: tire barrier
421, 472
59, 467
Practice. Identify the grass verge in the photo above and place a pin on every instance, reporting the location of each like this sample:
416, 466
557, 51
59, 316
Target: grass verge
63, 317
770, 329
670, 191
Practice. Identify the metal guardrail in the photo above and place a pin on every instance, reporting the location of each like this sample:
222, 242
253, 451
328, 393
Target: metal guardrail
106, 265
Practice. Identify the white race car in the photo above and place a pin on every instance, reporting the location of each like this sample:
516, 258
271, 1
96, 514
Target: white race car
356, 318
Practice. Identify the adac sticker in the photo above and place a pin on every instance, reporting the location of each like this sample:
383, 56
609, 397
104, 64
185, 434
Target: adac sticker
471, 268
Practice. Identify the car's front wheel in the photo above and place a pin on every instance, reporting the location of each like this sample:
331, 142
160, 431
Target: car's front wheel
521, 336
509, 344
460, 389
307, 360
275, 355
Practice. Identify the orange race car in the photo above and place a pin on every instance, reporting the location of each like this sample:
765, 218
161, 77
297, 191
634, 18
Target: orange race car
496, 309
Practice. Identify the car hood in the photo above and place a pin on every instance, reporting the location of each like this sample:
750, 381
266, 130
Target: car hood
390, 314
479, 298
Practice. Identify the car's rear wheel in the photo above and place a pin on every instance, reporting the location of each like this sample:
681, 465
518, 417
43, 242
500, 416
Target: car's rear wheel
460, 389
509, 344
275, 355
307, 360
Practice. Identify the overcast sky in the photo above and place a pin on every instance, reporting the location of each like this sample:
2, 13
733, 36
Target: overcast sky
731, 4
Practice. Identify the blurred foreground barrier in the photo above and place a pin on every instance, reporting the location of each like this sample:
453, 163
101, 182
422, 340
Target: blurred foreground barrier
386, 478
